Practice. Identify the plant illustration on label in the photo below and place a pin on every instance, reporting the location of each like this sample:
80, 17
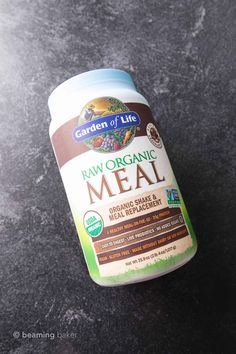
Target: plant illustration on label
110, 127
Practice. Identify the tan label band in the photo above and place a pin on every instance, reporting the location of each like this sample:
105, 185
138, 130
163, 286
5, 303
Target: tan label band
136, 223
144, 246
66, 148
141, 234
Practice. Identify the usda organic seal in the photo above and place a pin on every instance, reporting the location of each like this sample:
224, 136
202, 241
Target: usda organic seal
93, 223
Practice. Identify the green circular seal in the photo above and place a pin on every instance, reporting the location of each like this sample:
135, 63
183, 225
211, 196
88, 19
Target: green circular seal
93, 223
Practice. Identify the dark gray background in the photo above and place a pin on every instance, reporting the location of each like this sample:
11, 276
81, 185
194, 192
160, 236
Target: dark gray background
181, 55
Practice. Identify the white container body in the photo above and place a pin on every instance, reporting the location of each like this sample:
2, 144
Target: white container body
126, 204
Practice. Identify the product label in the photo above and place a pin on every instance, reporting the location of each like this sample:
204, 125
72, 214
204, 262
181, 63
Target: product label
124, 198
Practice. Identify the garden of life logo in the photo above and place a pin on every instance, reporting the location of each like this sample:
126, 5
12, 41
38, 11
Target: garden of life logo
172, 196
93, 223
106, 125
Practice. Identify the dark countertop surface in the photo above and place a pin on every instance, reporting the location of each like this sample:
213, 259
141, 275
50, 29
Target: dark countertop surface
181, 55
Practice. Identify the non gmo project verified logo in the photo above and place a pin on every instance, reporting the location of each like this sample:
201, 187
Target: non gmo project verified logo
172, 197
